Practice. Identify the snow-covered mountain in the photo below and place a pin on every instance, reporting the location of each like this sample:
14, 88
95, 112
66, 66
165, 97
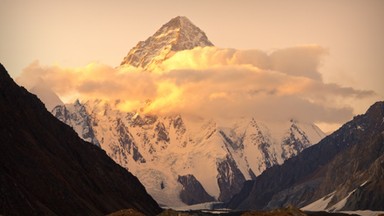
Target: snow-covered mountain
176, 35
344, 171
186, 159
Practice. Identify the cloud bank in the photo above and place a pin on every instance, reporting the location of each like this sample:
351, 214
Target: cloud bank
215, 83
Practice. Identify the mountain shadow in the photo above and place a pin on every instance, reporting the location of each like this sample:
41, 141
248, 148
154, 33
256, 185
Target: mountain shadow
345, 170
46, 169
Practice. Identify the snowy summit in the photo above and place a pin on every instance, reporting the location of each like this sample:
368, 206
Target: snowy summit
184, 159
176, 35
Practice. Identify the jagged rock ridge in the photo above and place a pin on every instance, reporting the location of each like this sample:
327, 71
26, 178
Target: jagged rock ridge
46, 169
176, 35
343, 172
160, 149
193, 192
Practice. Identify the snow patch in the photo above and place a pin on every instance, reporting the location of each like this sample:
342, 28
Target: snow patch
321, 204
338, 206
364, 212
158, 149
206, 206
364, 183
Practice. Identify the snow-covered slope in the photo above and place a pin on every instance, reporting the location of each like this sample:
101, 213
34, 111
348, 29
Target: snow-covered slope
176, 35
184, 159
164, 152
344, 171
325, 203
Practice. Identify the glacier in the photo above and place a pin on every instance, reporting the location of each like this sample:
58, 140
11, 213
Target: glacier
220, 154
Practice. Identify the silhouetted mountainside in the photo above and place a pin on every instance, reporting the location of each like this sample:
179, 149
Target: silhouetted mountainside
46, 169
181, 158
345, 171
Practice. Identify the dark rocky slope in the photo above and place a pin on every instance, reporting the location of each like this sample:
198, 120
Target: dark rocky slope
46, 169
193, 192
348, 162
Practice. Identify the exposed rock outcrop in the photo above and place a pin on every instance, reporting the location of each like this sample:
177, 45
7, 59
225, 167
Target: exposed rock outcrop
46, 169
193, 192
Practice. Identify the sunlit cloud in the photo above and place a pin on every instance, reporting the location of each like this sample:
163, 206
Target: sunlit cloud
215, 83
297, 61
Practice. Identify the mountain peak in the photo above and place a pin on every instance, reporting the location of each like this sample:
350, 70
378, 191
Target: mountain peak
176, 35
338, 173
179, 21
376, 108
4, 76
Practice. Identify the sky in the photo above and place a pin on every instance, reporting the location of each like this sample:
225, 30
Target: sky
344, 39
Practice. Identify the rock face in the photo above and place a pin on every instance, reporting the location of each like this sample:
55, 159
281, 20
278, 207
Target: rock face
343, 172
46, 169
193, 192
159, 149
78, 119
176, 35
229, 178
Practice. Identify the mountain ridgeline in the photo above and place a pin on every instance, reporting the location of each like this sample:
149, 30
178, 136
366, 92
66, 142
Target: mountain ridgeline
184, 159
344, 171
46, 169
176, 35
177, 157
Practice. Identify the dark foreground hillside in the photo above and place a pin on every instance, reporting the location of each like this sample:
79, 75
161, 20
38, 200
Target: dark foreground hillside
46, 169
347, 166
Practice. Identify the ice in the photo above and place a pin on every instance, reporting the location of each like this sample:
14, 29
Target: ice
188, 145
319, 205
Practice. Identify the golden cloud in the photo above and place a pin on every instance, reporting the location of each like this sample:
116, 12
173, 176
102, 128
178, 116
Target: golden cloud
212, 82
